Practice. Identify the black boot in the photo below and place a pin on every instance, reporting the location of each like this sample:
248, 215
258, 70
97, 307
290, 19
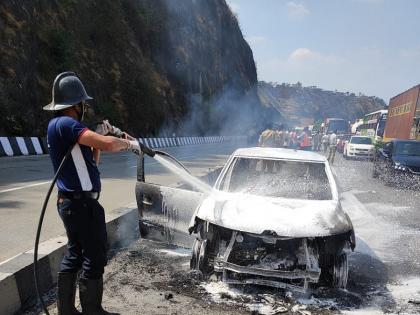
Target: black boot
66, 293
90, 291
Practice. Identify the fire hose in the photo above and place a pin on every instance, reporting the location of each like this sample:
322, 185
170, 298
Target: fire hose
143, 150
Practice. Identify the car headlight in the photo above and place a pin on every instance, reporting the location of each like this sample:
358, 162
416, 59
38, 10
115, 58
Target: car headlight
351, 148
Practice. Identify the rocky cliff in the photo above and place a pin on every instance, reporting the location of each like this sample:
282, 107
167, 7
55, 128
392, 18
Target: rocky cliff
300, 105
152, 66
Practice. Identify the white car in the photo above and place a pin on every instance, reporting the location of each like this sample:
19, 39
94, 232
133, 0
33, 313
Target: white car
273, 218
359, 147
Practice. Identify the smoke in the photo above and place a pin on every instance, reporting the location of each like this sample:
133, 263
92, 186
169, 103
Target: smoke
212, 64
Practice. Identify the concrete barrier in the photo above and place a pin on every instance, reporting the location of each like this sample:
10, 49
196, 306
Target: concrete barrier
17, 286
15, 146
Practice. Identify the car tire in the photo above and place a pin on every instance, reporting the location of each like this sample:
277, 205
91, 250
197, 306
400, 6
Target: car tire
143, 229
345, 155
199, 258
340, 271
195, 254
334, 271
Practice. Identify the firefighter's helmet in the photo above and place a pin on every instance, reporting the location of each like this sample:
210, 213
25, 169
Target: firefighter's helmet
67, 91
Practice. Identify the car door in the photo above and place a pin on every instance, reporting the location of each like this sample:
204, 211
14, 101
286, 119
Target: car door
165, 212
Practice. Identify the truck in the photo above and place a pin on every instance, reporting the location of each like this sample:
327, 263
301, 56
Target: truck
403, 121
339, 125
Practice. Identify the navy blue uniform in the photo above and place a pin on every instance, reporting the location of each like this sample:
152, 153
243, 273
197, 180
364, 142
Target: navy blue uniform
83, 216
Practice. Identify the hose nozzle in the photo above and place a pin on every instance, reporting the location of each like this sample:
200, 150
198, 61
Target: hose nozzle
147, 150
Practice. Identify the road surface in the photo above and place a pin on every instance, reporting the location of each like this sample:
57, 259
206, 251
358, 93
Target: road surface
383, 273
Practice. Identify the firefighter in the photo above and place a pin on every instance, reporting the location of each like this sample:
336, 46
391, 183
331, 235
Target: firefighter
79, 186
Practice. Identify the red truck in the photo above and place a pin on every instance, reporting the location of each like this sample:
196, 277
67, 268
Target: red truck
403, 120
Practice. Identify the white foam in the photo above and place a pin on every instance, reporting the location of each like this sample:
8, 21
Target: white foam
182, 252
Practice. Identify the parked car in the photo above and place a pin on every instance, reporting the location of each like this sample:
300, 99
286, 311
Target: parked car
398, 163
359, 147
273, 218
342, 139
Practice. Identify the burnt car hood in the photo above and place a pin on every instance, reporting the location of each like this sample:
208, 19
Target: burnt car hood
407, 160
285, 217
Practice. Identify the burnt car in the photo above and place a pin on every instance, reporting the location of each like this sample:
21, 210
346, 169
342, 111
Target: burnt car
398, 163
273, 218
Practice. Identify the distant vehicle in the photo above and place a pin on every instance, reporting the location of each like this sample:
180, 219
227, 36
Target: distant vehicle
337, 124
373, 124
403, 120
273, 218
359, 147
342, 139
398, 162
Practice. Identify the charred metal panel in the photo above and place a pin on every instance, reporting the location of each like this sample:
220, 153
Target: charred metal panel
166, 210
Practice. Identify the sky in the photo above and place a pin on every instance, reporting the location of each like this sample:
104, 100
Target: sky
366, 46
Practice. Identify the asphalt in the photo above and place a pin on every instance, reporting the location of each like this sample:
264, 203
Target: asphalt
383, 270
24, 182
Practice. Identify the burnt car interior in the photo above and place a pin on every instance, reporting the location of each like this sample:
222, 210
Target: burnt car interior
269, 178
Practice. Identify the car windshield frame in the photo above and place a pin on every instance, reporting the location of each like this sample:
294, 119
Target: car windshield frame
399, 150
226, 180
362, 138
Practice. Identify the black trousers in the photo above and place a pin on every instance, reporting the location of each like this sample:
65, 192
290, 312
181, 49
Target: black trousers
84, 220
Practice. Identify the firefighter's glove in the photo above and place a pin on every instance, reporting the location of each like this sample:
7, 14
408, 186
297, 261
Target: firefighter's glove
106, 129
133, 146
103, 128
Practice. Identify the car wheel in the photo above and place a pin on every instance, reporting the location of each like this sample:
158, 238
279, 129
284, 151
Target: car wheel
334, 271
143, 229
340, 271
195, 254
199, 258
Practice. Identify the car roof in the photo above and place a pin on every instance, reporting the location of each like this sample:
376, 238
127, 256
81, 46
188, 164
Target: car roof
403, 140
361, 137
280, 153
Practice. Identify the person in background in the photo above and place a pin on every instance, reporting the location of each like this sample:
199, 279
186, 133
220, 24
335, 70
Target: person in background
325, 140
304, 141
280, 137
293, 139
286, 138
316, 141
332, 141
268, 138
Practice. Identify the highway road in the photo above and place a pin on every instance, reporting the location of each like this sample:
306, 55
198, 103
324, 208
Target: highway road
24, 181
383, 271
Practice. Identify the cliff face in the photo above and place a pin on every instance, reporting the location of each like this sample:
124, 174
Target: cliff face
303, 105
152, 66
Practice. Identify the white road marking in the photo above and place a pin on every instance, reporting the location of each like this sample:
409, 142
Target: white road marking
23, 187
